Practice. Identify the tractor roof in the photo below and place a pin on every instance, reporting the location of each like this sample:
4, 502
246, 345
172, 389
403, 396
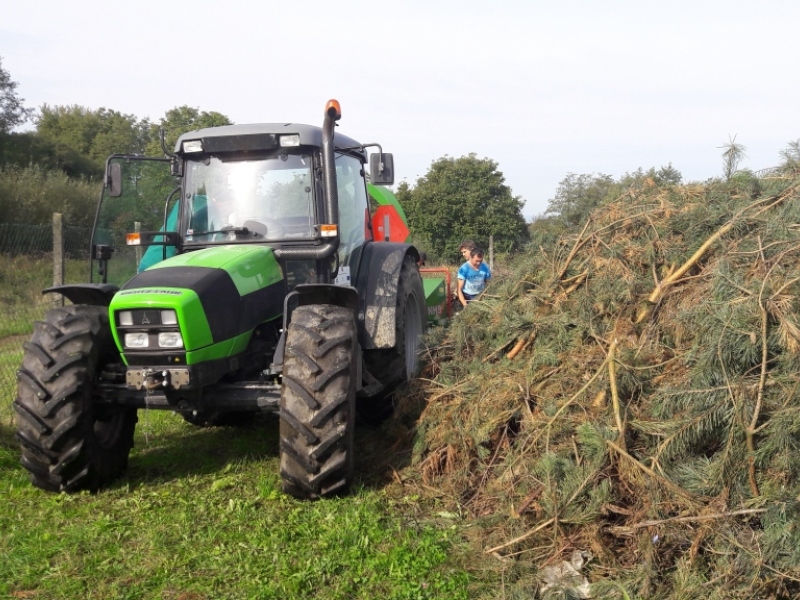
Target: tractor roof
240, 136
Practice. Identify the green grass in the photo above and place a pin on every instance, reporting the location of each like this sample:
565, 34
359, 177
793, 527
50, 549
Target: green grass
199, 514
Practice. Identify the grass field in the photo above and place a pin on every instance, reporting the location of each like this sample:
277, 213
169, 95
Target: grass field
200, 515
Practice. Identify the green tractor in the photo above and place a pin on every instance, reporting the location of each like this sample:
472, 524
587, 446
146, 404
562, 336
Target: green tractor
262, 286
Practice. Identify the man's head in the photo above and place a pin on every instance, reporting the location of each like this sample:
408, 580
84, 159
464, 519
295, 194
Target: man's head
475, 257
466, 247
221, 206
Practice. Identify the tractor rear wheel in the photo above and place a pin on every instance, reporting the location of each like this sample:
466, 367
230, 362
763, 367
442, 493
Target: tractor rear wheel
318, 401
70, 442
396, 365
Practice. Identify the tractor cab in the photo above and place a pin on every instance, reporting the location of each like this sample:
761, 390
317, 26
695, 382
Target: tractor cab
244, 184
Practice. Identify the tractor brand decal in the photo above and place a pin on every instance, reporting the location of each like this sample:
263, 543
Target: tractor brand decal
150, 291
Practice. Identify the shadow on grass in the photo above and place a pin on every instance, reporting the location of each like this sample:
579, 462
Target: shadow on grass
383, 450
180, 449
166, 448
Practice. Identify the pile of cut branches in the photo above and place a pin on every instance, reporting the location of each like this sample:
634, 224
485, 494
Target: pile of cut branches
632, 392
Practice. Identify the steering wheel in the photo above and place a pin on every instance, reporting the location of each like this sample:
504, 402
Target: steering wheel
264, 226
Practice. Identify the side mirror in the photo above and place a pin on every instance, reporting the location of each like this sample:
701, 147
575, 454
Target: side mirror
114, 180
381, 169
175, 166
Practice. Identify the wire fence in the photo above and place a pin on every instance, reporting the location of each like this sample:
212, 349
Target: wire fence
27, 261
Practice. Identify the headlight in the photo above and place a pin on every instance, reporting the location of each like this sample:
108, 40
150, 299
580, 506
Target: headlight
193, 146
168, 317
137, 340
287, 141
170, 339
126, 317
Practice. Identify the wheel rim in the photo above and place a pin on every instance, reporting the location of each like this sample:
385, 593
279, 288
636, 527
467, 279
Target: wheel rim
413, 333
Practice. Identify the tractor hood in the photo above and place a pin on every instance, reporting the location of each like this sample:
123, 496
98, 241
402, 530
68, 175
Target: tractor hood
218, 296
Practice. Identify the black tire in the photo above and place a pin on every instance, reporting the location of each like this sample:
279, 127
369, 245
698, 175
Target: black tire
318, 401
69, 443
397, 365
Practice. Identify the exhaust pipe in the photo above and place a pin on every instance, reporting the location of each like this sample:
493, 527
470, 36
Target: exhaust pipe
333, 113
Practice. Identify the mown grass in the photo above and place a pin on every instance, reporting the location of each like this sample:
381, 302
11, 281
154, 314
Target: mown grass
200, 515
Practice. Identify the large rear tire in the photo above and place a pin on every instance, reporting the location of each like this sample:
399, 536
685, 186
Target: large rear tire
394, 366
69, 442
318, 401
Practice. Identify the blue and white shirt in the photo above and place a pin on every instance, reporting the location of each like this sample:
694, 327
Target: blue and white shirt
474, 280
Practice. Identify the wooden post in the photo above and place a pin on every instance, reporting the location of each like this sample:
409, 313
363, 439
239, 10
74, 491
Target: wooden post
491, 251
58, 254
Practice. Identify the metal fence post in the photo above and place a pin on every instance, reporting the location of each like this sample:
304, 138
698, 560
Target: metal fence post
58, 254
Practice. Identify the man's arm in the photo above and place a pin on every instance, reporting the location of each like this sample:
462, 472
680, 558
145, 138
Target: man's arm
460, 290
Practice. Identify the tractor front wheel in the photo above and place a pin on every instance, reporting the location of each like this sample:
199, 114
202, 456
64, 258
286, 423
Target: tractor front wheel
318, 401
69, 441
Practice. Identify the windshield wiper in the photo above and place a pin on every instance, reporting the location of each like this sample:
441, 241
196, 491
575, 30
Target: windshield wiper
229, 229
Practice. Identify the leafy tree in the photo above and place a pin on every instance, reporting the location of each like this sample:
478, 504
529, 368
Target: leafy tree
156, 184
12, 112
178, 121
81, 138
640, 178
578, 195
668, 175
463, 198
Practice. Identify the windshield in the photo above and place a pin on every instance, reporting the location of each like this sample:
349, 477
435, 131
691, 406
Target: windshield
261, 199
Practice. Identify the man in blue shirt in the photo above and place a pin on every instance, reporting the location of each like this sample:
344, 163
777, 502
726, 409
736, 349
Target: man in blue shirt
473, 277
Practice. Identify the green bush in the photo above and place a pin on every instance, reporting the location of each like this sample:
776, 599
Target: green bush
33, 194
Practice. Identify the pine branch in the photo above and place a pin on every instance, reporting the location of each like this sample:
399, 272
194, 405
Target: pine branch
675, 277
666, 482
612, 379
524, 536
693, 518
577, 246
568, 403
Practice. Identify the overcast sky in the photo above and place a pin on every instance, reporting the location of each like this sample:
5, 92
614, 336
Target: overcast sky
542, 88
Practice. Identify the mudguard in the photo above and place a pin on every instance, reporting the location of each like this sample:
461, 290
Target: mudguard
94, 294
377, 281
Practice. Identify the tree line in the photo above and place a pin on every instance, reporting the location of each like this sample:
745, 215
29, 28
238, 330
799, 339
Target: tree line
57, 167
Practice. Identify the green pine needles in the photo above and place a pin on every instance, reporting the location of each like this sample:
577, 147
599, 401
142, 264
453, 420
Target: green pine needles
631, 390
